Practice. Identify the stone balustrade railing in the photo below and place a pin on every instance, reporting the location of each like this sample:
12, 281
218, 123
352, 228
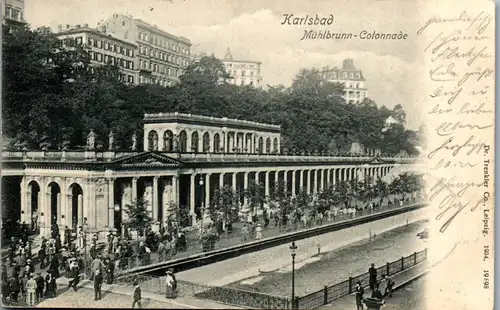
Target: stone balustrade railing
193, 157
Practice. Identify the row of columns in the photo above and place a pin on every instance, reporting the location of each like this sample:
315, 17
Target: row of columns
228, 140
96, 198
328, 177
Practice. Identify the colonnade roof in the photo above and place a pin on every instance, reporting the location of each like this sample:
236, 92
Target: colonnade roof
150, 118
143, 160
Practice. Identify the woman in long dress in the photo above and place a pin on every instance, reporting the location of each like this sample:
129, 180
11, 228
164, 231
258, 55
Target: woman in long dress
171, 285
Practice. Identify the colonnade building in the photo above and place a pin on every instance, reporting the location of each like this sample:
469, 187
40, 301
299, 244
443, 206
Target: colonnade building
91, 188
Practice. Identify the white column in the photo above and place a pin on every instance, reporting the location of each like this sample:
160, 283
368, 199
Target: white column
58, 202
256, 177
68, 216
322, 184
334, 179
161, 141
315, 176
175, 190
267, 185
111, 202
207, 190
134, 188
234, 182
155, 198
221, 180
245, 185
294, 175
328, 182
80, 209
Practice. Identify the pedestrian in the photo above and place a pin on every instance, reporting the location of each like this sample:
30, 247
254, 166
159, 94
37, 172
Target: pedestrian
41, 256
137, 295
171, 284
359, 295
15, 288
5, 289
382, 285
244, 233
161, 252
31, 290
97, 285
389, 283
54, 266
377, 294
110, 270
258, 232
373, 276
40, 284
96, 265
75, 272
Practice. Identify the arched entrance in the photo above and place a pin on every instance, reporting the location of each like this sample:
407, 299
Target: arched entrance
33, 201
76, 206
55, 203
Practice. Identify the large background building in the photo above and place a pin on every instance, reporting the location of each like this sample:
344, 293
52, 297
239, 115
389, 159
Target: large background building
161, 57
103, 48
13, 11
352, 78
242, 72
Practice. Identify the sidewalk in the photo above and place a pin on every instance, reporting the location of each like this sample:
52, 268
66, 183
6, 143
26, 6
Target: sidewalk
183, 302
400, 279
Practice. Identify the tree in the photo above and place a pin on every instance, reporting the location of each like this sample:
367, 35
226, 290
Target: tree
255, 195
381, 190
224, 205
138, 215
281, 199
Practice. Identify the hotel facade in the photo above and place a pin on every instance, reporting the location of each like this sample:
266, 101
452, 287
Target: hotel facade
160, 58
352, 79
185, 158
103, 48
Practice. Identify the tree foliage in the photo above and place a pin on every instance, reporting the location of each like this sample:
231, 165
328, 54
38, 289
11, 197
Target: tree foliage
138, 215
69, 100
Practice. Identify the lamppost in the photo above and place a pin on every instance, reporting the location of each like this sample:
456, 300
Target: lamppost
117, 209
293, 252
84, 228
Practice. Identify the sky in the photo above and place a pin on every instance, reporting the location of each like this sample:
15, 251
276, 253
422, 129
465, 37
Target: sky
252, 29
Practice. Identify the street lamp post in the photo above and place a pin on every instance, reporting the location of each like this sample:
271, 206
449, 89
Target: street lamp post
202, 202
293, 250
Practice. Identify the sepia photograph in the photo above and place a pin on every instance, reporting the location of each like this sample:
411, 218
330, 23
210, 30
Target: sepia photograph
216, 154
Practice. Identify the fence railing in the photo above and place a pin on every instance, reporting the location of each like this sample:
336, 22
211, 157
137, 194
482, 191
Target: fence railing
338, 290
258, 300
219, 294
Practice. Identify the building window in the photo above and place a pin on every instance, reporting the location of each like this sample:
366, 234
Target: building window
94, 43
99, 44
8, 11
99, 57
145, 50
351, 75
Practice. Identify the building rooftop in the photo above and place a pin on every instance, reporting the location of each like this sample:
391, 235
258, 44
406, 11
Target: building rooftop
85, 28
221, 122
155, 27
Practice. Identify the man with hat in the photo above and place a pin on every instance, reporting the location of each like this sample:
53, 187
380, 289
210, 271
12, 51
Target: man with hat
97, 285
137, 294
